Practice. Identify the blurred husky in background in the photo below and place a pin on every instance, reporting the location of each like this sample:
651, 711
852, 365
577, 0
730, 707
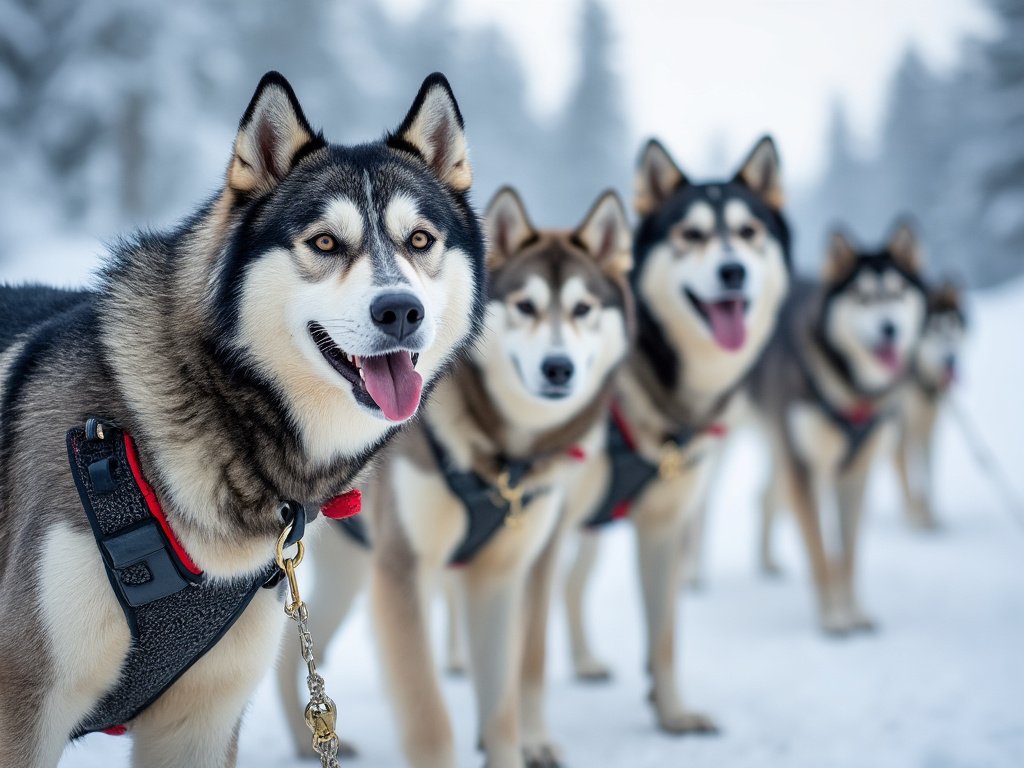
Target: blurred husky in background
933, 371
828, 389
711, 272
264, 351
479, 483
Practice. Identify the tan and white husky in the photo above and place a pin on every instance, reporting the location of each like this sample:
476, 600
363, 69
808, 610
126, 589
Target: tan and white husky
479, 482
932, 373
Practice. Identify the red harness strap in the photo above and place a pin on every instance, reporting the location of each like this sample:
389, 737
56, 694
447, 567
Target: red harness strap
347, 505
860, 414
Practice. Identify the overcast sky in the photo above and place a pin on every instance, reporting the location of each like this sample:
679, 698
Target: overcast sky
699, 72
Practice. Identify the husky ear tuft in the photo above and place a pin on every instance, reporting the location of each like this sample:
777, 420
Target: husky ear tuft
271, 134
841, 259
433, 130
905, 248
605, 234
508, 227
657, 177
760, 173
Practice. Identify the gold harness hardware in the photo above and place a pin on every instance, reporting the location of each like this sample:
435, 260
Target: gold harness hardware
672, 461
513, 496
321, 712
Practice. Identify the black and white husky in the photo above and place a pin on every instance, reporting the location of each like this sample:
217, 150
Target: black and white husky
263, 351
711, 272
828, 389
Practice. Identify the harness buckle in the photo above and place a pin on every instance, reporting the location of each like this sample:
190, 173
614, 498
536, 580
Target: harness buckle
671, 461
142, 549
512, 495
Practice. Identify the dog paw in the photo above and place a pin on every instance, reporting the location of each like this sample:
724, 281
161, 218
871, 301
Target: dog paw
861, 622
687, 722
842, 622
592, 671
542, 756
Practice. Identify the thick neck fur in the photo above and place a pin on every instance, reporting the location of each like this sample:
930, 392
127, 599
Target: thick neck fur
215, 437
479, 425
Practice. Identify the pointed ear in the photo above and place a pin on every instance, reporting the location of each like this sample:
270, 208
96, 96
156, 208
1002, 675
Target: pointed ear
760, 173
657, 177
905, 248
507, 226
433, 131
605, 234
271, 134
841, 258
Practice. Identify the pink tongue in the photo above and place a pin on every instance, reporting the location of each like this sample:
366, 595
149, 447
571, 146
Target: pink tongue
727, 323
393, 384
887, 355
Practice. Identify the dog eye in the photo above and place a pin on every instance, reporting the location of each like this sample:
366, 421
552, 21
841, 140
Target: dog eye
324, 243
581, 310
526, 307
747, 232
693, 235
420, 240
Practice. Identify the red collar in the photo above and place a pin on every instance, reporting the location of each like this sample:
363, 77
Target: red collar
714, 429
860, 414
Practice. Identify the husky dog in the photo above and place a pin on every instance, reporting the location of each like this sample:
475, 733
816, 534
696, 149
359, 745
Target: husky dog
932, 373
712, 270
263, 351
826, 388
479, 481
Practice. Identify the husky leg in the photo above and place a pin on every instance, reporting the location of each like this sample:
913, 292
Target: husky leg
772, 501
658, 555
806, 509
400, 599
26, 741
494, 603
850, 487
693, 547
341, 566
540, 751
585, 664
455, 655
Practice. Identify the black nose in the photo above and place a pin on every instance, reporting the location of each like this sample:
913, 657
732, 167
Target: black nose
733, 275
557, 369
889, 330
398, 314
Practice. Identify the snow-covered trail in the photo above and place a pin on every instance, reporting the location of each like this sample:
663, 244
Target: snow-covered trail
939, 686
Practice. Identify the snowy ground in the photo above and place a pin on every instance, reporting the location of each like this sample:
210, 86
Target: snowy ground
940, 686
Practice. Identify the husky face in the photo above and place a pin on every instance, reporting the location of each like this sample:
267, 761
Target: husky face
712, 260
559, 309
874, 307
356, 272
944, 331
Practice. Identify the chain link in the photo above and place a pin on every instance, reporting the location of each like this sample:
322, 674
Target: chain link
321, 713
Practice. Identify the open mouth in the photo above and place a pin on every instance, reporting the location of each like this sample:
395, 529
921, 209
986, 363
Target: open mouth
727, 319
887, 354
388, 382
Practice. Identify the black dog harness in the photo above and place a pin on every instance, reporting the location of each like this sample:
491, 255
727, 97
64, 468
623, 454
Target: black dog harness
631, 472
175, 613
489, 506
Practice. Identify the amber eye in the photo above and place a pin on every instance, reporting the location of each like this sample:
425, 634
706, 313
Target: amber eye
420, 240
747, 232
693, 235
324, 243
526, 307
581, 310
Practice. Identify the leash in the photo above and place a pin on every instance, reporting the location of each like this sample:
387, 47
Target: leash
985, 460
321, 712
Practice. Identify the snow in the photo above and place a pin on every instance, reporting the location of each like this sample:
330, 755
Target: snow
939, 686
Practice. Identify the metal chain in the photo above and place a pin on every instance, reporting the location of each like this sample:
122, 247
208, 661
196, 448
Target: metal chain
321, 713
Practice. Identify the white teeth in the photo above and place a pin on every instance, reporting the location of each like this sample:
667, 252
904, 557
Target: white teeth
362, 375
355, 361
348, 357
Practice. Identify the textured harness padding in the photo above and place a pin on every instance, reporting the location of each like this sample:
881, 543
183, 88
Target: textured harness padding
175, 615
486, 510
630, 472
